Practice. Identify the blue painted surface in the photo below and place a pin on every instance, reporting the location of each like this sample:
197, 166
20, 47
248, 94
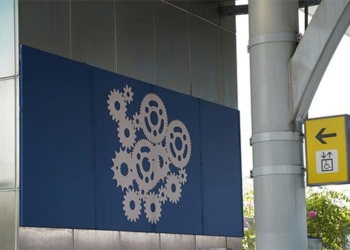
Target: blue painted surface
71, 148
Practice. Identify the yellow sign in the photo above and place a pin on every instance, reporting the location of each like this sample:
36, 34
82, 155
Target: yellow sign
326, 150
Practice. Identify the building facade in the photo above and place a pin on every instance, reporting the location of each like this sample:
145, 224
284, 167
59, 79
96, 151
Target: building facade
184, 46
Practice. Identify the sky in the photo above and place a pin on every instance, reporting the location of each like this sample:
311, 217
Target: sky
331, 98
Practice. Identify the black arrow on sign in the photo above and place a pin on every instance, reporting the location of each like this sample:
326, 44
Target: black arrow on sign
320, 136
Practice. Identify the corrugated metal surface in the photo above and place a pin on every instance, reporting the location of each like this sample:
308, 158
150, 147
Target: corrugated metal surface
172, 48
139, 241
135, 40
93, 240
177, 242
7, 220
205, 60
45, 25
45, 239
228, 69
7, 38
93, 33
7, 133
210, 242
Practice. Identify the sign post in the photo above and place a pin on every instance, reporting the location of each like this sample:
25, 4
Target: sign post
327, 150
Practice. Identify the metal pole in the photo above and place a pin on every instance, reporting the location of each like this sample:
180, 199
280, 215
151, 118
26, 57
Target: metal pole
277, 146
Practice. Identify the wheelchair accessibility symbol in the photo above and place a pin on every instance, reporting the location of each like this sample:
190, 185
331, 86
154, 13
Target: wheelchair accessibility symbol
327, 161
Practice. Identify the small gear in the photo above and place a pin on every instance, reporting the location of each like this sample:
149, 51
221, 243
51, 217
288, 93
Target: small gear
162, 168
173, 188
182, 176
116, 105
136, 121
126, 133
178, 144
145, 164
132, 205
153, 208
128, 94
123, 168
154, 118
162, 194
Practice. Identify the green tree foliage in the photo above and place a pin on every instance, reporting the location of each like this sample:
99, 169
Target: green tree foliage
328, 216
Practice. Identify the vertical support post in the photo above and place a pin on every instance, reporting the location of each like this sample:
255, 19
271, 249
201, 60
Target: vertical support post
277, 145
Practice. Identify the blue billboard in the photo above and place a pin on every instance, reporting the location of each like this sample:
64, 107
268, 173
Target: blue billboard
103, 151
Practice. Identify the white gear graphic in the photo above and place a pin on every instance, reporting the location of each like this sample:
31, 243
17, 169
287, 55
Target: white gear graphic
123, 168
116, 105
182, 176
132, 205
162, 168
126, 133
162, 194
178, 144
137, 121
153, 208
145, 165
128, 94
150, 149
154, 118
173, 188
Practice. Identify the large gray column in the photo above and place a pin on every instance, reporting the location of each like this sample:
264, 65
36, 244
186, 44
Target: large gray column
277, 147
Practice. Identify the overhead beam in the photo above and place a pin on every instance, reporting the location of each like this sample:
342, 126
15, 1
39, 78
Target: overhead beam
314, 52
243, 9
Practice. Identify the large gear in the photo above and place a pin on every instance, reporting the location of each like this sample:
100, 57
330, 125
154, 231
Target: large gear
116, 105
154, 118
153, 208
173, 188
126, 133
128, 94
145, 164
124, 169
132, 205
178, 144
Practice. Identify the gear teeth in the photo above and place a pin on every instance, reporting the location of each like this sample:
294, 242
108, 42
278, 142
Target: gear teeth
127, 139
116, 97
173, 195
153, 208
178, 156
154, 132
132, 213
128, 94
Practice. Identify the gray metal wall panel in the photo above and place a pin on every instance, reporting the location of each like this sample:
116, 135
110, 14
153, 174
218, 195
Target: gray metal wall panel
205, 9
45, 24
139, 241
205, 60
234, 243
183, 4
91, 239
228, 22
210, 242
177, 242
17, 133
7, 38
93, 33
135, 40
7, 220
7, 133
172, 48
45, 239
229, 69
